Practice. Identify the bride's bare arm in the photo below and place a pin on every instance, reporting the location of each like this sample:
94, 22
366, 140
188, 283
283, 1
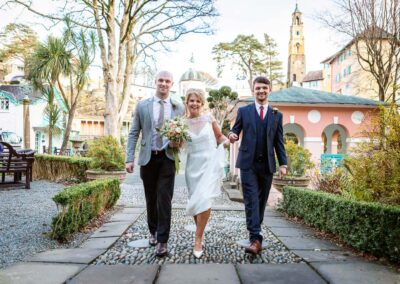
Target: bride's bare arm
221, 138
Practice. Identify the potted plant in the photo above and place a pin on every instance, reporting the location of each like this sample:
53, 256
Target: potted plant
107, 159
298, 162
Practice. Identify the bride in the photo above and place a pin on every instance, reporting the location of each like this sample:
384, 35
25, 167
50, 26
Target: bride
205, 162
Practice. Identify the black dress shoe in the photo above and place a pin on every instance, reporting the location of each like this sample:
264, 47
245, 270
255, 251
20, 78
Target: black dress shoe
152, 240
161, 249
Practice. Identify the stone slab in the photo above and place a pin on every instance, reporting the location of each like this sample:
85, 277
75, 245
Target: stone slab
133, 210
124, 217
290, 232
76, 255
272, 213
99, 243
324, 255
113, 229
121, 274
279, 222
198, 274
356, 273
39, 273
142, 243
296, 273
306, 243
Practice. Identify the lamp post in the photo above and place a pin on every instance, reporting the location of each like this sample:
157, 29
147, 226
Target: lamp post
27, 123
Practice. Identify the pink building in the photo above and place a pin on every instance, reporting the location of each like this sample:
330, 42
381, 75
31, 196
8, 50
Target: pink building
322, 122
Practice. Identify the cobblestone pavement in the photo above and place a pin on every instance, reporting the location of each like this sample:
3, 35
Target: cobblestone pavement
226, 227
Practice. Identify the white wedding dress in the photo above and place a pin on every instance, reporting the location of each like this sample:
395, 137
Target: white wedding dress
204, 165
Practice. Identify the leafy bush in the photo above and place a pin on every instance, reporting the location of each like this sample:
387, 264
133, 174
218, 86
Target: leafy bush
106, 154
57, 168
298, 159
335, 181
374, 165
370, 227
81, 203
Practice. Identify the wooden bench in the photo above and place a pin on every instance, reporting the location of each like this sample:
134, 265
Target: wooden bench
17, 162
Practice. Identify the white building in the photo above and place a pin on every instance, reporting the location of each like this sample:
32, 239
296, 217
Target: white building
11, 115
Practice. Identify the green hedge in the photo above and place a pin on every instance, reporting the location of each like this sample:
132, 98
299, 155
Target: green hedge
370, 227
79, 204
58, 168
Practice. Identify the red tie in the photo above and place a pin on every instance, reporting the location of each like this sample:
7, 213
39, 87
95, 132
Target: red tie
261, 112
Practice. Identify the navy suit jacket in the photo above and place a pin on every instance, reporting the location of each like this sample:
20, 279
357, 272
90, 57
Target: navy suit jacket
245, 122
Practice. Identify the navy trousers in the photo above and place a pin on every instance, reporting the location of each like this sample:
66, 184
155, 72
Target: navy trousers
256, 184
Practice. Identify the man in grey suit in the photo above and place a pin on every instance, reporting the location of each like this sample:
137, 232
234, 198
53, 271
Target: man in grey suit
156, 160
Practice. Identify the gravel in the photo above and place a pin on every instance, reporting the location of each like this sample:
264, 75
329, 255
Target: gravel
226, 227
26, 217
219, 243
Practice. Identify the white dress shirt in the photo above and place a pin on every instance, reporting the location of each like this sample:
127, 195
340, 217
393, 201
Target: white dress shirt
156, 113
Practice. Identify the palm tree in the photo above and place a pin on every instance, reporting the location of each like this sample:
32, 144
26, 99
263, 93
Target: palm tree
67, 57
49, 61
52, 113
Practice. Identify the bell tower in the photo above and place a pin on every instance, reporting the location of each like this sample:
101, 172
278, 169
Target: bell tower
297, 58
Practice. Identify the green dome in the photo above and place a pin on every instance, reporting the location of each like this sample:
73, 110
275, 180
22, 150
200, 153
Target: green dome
191, 75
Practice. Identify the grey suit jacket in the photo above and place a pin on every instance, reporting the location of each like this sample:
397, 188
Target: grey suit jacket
143, 123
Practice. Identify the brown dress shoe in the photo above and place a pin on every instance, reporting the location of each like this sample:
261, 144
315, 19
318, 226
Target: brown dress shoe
254, 248
152, 240
161, 249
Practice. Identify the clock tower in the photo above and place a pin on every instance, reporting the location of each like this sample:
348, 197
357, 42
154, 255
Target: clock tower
297, 58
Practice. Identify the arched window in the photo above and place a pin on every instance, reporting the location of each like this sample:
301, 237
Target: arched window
294, 77
297, 21
297, 47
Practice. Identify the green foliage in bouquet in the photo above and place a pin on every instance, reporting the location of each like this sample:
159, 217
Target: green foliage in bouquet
106, 154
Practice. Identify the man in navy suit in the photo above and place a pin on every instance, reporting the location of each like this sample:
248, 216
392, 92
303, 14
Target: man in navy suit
262, 133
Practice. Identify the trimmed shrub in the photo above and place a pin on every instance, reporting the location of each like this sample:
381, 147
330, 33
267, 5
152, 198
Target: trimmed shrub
370, 227
58, 168
106, 154
79, 204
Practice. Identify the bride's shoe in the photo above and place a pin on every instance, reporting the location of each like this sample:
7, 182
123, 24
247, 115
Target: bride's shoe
198, 253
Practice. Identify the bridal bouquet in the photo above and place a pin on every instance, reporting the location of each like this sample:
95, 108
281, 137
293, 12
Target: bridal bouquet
176, 131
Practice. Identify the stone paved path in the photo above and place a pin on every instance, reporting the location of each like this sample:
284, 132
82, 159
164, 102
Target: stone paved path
322, 261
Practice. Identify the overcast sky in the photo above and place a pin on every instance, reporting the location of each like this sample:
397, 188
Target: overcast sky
237, 17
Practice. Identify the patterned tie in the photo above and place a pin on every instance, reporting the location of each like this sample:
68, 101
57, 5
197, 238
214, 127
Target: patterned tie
160, 122
261, 112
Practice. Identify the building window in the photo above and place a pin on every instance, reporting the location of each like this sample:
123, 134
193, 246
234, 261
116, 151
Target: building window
4, 104
337, 78
297, 47
298, 33
294, 77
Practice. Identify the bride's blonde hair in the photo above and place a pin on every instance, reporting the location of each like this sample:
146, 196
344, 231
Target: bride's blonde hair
198, 93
